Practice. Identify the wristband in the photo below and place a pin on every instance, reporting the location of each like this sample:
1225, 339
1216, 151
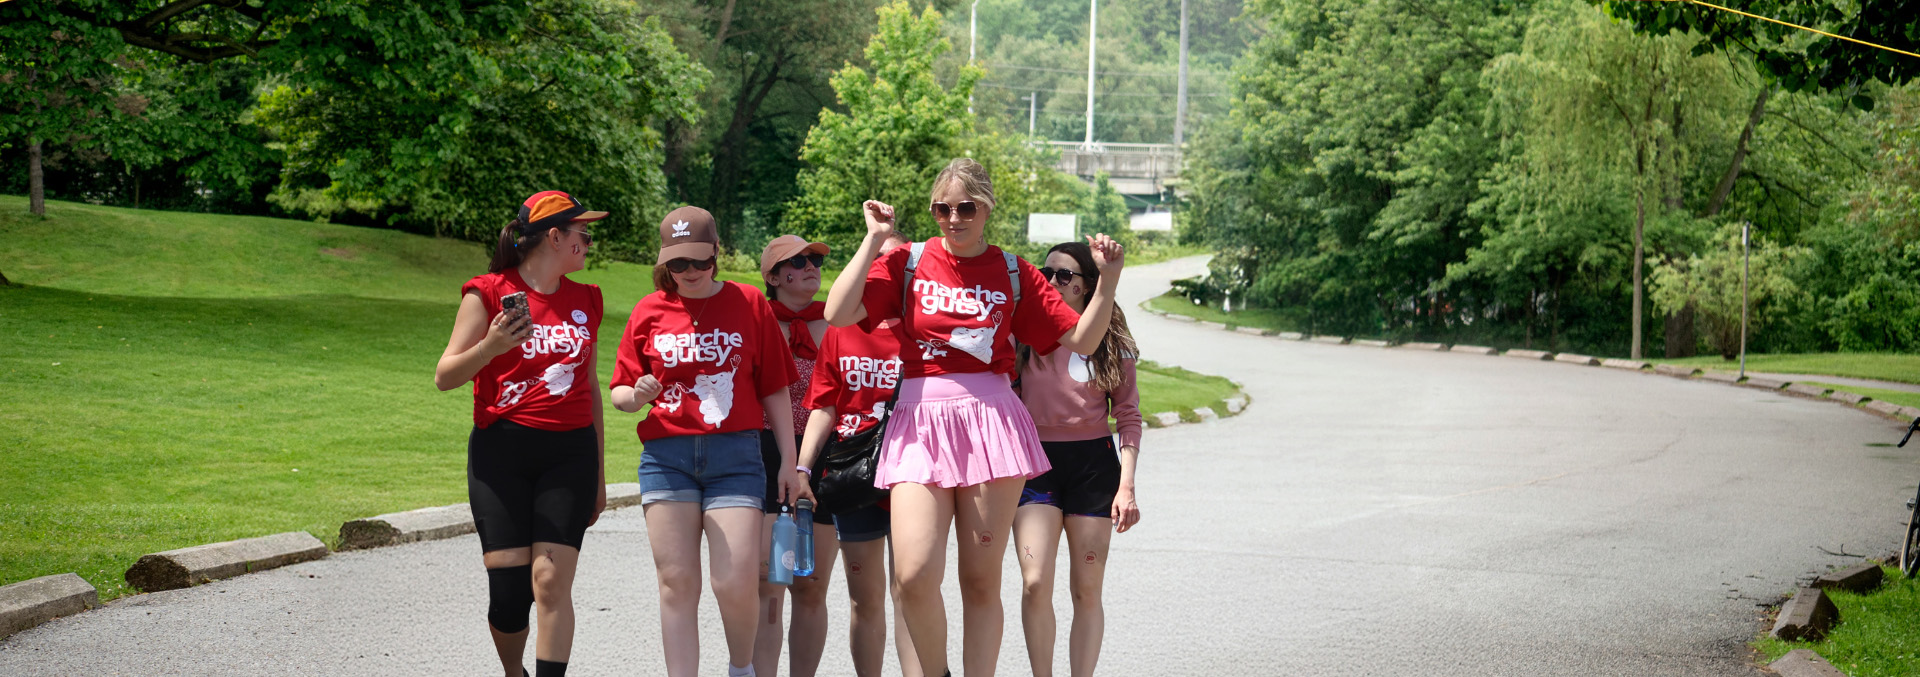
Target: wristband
804, 470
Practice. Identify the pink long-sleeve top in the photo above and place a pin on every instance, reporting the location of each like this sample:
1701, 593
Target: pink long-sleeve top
1065, 406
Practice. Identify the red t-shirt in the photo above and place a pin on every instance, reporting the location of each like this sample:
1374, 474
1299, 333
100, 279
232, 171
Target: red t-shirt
737, 340
533, 384
960, 319
857, 373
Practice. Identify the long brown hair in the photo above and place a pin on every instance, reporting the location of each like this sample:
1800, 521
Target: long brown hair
513, 247
1115, 346
663, 279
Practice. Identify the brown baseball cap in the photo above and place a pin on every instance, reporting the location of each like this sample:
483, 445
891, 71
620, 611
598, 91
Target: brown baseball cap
688, 233
785, 247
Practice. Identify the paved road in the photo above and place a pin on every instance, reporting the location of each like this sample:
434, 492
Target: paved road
1376, 512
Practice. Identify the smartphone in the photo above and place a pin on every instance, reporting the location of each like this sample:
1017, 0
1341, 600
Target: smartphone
515, 303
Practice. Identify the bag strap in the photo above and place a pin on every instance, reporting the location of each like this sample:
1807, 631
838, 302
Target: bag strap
1013, 274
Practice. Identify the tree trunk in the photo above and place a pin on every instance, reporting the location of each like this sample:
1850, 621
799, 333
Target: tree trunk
1725, 189
1681, 340
36, 180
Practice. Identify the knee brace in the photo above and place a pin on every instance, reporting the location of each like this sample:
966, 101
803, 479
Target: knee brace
510, 597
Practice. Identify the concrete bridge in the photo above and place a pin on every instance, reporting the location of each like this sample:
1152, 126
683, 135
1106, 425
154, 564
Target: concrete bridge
1133, 168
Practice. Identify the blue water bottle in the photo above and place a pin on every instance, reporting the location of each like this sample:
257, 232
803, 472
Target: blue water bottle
780, 558
803, 518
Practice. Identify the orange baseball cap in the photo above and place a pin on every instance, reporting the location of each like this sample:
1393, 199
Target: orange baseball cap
552, 209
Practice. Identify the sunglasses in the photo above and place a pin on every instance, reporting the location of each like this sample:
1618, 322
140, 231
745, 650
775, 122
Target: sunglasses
586, 236
801, 261
966, 210
681, 265
1059, 276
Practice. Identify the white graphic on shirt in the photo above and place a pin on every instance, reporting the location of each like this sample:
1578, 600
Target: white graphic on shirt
1077, 368
716, 394
579, 317
977, 302
976, 341
671, 398
850, 423
558, 377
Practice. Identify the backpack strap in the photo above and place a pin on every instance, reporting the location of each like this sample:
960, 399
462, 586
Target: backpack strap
1013, 274
906, 281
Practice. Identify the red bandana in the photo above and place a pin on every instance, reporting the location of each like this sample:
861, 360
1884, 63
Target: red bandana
799, 338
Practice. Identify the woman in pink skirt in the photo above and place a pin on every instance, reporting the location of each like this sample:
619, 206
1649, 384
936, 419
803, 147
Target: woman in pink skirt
960, 445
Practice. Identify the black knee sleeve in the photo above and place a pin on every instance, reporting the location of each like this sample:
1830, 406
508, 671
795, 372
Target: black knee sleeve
510, 597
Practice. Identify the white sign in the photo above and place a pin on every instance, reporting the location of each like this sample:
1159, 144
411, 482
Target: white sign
1052, 228
1159, 221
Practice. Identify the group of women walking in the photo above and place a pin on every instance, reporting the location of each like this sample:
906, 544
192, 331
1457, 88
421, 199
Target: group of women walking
949, 351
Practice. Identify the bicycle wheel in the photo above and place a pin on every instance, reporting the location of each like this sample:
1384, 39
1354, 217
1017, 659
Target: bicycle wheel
1910, 548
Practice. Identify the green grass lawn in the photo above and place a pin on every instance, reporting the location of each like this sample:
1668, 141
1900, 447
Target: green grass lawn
1878, 635
1271, 320
1899, 397
1168, 388
175, 379
1879, 366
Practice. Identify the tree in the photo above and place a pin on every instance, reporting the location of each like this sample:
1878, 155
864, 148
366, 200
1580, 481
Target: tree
1710, 282
1106, 212
56, 82
901, 127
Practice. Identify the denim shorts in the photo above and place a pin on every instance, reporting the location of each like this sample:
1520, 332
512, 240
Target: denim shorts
866, 524
720, 470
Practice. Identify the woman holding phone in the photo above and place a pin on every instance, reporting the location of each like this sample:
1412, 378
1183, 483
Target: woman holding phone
710, 358
960, 446
536, 464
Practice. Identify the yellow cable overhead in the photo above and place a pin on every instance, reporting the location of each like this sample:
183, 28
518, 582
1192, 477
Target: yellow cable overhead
1783, 23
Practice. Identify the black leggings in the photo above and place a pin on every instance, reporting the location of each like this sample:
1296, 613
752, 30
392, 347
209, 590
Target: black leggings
531, 486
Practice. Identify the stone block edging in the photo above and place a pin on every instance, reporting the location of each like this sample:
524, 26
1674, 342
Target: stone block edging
1809, 615
1529, 354
1616, 363
1422, 346
1862, 577
1675, 370
37, 600
1847, 397
1764, 383
1291, 335
1582, 360
1719, 376
1475, 350
1808, 390
424, 524
1254, 331
1329, 340
1371, 343
1804, 663
187, 567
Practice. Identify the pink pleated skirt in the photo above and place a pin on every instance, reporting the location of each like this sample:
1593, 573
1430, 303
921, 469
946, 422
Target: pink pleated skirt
958, 430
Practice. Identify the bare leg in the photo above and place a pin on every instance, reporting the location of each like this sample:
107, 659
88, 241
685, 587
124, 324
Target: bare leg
983, 518
511, 647
771, 613
921, 516
1087, 541
1036, 535
734, 553
673, 533
808, 636
866, 567
902, 640
553, 569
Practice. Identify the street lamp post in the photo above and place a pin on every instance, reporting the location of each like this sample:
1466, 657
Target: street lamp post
1746, 267
973, 38
1093, 35
1033, 103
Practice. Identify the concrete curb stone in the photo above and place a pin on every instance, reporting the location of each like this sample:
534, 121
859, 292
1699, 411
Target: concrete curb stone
1764, 383
1211, 323
1369, 343
423, 524
186, 567
1808, 390
1180, 318
1720, 376
1422, 346
1883, 407
1847, 397
1256, 331
1809, 615
1235, 404
1616, 363
1529, 354
1475, 350
1804, 663
1329, 340
1206, 414
1167, 418
37, 600
1860, 577
1291, 335
1675, 370
1582, 360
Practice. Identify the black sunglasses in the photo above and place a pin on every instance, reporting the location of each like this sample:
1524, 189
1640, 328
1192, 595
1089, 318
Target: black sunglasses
681, 265
800, 261
966, 209
1059, 275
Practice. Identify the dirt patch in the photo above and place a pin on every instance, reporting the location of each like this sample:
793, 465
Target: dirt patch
342, 254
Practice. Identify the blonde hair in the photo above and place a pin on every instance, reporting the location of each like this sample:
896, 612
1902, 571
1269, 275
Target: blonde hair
973, 178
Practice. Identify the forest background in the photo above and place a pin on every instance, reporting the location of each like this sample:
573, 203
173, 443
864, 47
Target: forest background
1554, 174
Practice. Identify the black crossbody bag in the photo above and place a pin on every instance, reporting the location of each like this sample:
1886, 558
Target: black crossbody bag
851, 463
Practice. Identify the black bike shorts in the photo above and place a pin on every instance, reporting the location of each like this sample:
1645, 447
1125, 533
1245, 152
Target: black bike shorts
530, 486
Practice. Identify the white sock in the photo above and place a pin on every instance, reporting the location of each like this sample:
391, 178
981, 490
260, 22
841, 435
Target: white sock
739, 672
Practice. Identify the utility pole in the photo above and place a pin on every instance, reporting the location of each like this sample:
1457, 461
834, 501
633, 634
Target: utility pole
973, 39
1093, 34
1180, 106
1033, 102
1746, 267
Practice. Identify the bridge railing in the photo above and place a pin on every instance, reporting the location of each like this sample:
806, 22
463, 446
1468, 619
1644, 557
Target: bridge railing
1149, 161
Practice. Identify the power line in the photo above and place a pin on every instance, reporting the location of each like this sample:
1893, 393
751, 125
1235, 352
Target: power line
1083, 71
1103, 114
997, 85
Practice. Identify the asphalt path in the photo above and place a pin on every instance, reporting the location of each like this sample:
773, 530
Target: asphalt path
1374, 512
